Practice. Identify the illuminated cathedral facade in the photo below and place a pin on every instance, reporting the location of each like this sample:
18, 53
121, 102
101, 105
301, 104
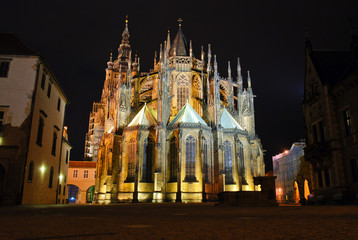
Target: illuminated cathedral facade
178, 133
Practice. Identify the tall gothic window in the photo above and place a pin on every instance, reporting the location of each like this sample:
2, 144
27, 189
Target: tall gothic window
347, 121
148, 157
228, 163
132, 152
241, 160
205, 160
182, 90
190, 160
173, 160
31, 171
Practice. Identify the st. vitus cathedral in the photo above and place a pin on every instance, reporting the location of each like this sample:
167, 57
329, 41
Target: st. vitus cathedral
180, 132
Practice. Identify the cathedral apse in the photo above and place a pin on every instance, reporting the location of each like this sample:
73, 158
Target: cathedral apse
179, 132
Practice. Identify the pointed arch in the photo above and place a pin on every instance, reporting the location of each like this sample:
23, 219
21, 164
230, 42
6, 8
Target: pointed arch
205, 160
182, 90
132, 155
173, 160
190, 159
228, 162
148, 160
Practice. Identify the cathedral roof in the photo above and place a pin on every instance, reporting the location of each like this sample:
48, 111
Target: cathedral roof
227, 121
187, 115
180, 44
145, 117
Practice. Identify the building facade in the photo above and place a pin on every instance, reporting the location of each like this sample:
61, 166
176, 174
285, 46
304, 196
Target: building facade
81, 181
286, 166
32, 109
330, 109
180, 132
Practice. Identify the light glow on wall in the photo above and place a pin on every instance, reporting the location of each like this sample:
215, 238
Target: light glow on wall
42, 169
60, 177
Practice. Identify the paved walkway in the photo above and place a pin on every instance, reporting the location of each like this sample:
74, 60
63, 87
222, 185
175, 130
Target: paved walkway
177, 221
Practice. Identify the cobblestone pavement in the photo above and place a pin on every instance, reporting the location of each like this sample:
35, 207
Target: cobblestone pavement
177, 221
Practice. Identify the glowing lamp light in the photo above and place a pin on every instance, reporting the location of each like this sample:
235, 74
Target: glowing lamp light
286, 151
42, 169
279, 189
60, 177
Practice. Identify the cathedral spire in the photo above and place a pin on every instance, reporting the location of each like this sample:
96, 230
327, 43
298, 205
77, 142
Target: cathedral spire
168, 41
124, 48
229, 71
248, 80
239, 76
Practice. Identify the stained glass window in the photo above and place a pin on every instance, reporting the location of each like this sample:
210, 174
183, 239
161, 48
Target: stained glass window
132, 149
173, 156
148, 156
205, 160
182, 90
228, 163
190, 159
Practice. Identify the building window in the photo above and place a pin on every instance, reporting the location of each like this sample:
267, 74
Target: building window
327, 178
54, 140
315, 133
228, 162
95, 173
190, 160
67, 156
322, 134
319, 176
182, 90
50, 180
4, 68
40, 130
58, 104
173, 159
59, 189
75, 173
148, 157
347, 121
43, 80
354, 170
85, 174
132, 147
64, 191
49, 90
2, 117
205, 160
31, 172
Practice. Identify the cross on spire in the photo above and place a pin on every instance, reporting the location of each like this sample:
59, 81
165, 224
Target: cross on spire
180, 21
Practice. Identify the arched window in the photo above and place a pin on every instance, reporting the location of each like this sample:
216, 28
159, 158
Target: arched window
173, 160
132, 154
40, 130
190, 160
89, 194
182, 90
148, 157
228, 163
31, 172
72, 193
327, 178
50, 180
205, 160
54, 140
241, 160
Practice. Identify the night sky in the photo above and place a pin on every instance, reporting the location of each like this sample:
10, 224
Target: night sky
76, 37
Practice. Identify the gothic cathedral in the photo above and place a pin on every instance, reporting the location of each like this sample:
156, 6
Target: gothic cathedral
178, 133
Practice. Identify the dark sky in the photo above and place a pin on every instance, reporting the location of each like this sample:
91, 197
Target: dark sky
75, 37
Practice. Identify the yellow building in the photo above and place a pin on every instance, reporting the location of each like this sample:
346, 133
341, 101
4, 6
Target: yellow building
81, 181
32, 109
180, 132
